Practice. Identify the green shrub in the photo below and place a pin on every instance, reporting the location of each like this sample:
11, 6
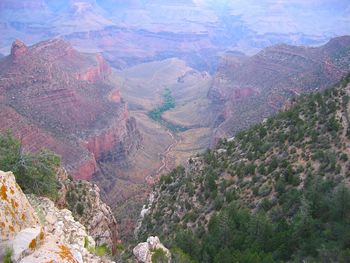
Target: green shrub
80, 208
8, 255
34, 172
178, 256
159, 256
102, 251
264, 190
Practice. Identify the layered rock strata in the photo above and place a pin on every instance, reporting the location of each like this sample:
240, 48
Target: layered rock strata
246, 90
55, 97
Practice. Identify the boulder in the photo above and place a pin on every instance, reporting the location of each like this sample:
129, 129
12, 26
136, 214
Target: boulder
145, 250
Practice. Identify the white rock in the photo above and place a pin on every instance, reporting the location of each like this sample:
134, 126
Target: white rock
231, 139
59, 239
153, 242
144, 251
221, 151
21, 242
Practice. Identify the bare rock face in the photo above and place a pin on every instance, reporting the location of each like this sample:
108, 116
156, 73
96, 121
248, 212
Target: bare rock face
96, 72
144, 251
37, 231
93, 213
18, 49
60, 222
52, 96
246, 90
16, 212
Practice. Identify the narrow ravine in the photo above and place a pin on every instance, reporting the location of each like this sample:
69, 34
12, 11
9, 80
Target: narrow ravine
166, 155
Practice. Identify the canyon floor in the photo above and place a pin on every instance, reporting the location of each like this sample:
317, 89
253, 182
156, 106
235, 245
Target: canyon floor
162, 149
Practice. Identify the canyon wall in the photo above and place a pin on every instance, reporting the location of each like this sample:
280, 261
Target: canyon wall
245, 90
55, 97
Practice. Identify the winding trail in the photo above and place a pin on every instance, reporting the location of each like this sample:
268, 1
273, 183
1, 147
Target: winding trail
166, 155
151, 179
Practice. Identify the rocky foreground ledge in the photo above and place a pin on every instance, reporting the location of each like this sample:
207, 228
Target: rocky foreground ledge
37, 231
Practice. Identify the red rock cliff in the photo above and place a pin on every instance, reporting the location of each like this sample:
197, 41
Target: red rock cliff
96, 72
56, 97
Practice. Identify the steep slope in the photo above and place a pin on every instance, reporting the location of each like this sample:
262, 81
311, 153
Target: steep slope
55, 97
84, 200
36, 231
276, 192
40, 175
248, 89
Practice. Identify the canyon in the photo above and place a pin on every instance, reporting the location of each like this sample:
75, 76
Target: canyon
249, 89
243, 91
57, 98
86, 74
97, 118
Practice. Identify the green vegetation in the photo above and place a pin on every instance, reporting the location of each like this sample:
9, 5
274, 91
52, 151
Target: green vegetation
100, 251
168, 103
236, 235
8, 255
79, 199
34, 172
159, 256
86, 242
279, 192
178, 256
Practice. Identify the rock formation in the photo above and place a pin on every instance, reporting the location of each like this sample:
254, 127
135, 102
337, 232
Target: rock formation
95, 215
144, 251
16, 212
37, 231
18, 49
246, 90
55, 97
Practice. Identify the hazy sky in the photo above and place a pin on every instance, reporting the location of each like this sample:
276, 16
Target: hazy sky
331, 17
244, 20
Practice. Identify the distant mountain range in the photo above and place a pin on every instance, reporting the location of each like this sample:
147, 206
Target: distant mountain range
129, 32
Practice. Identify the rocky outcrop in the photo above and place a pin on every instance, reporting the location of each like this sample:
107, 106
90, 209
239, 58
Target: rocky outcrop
59, 222
44, 233
16, 212
94, 73
55, 97
18, 48
93, 213
246, 90
144, 251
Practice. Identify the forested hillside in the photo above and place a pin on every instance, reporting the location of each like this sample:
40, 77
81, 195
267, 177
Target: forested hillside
276, 192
